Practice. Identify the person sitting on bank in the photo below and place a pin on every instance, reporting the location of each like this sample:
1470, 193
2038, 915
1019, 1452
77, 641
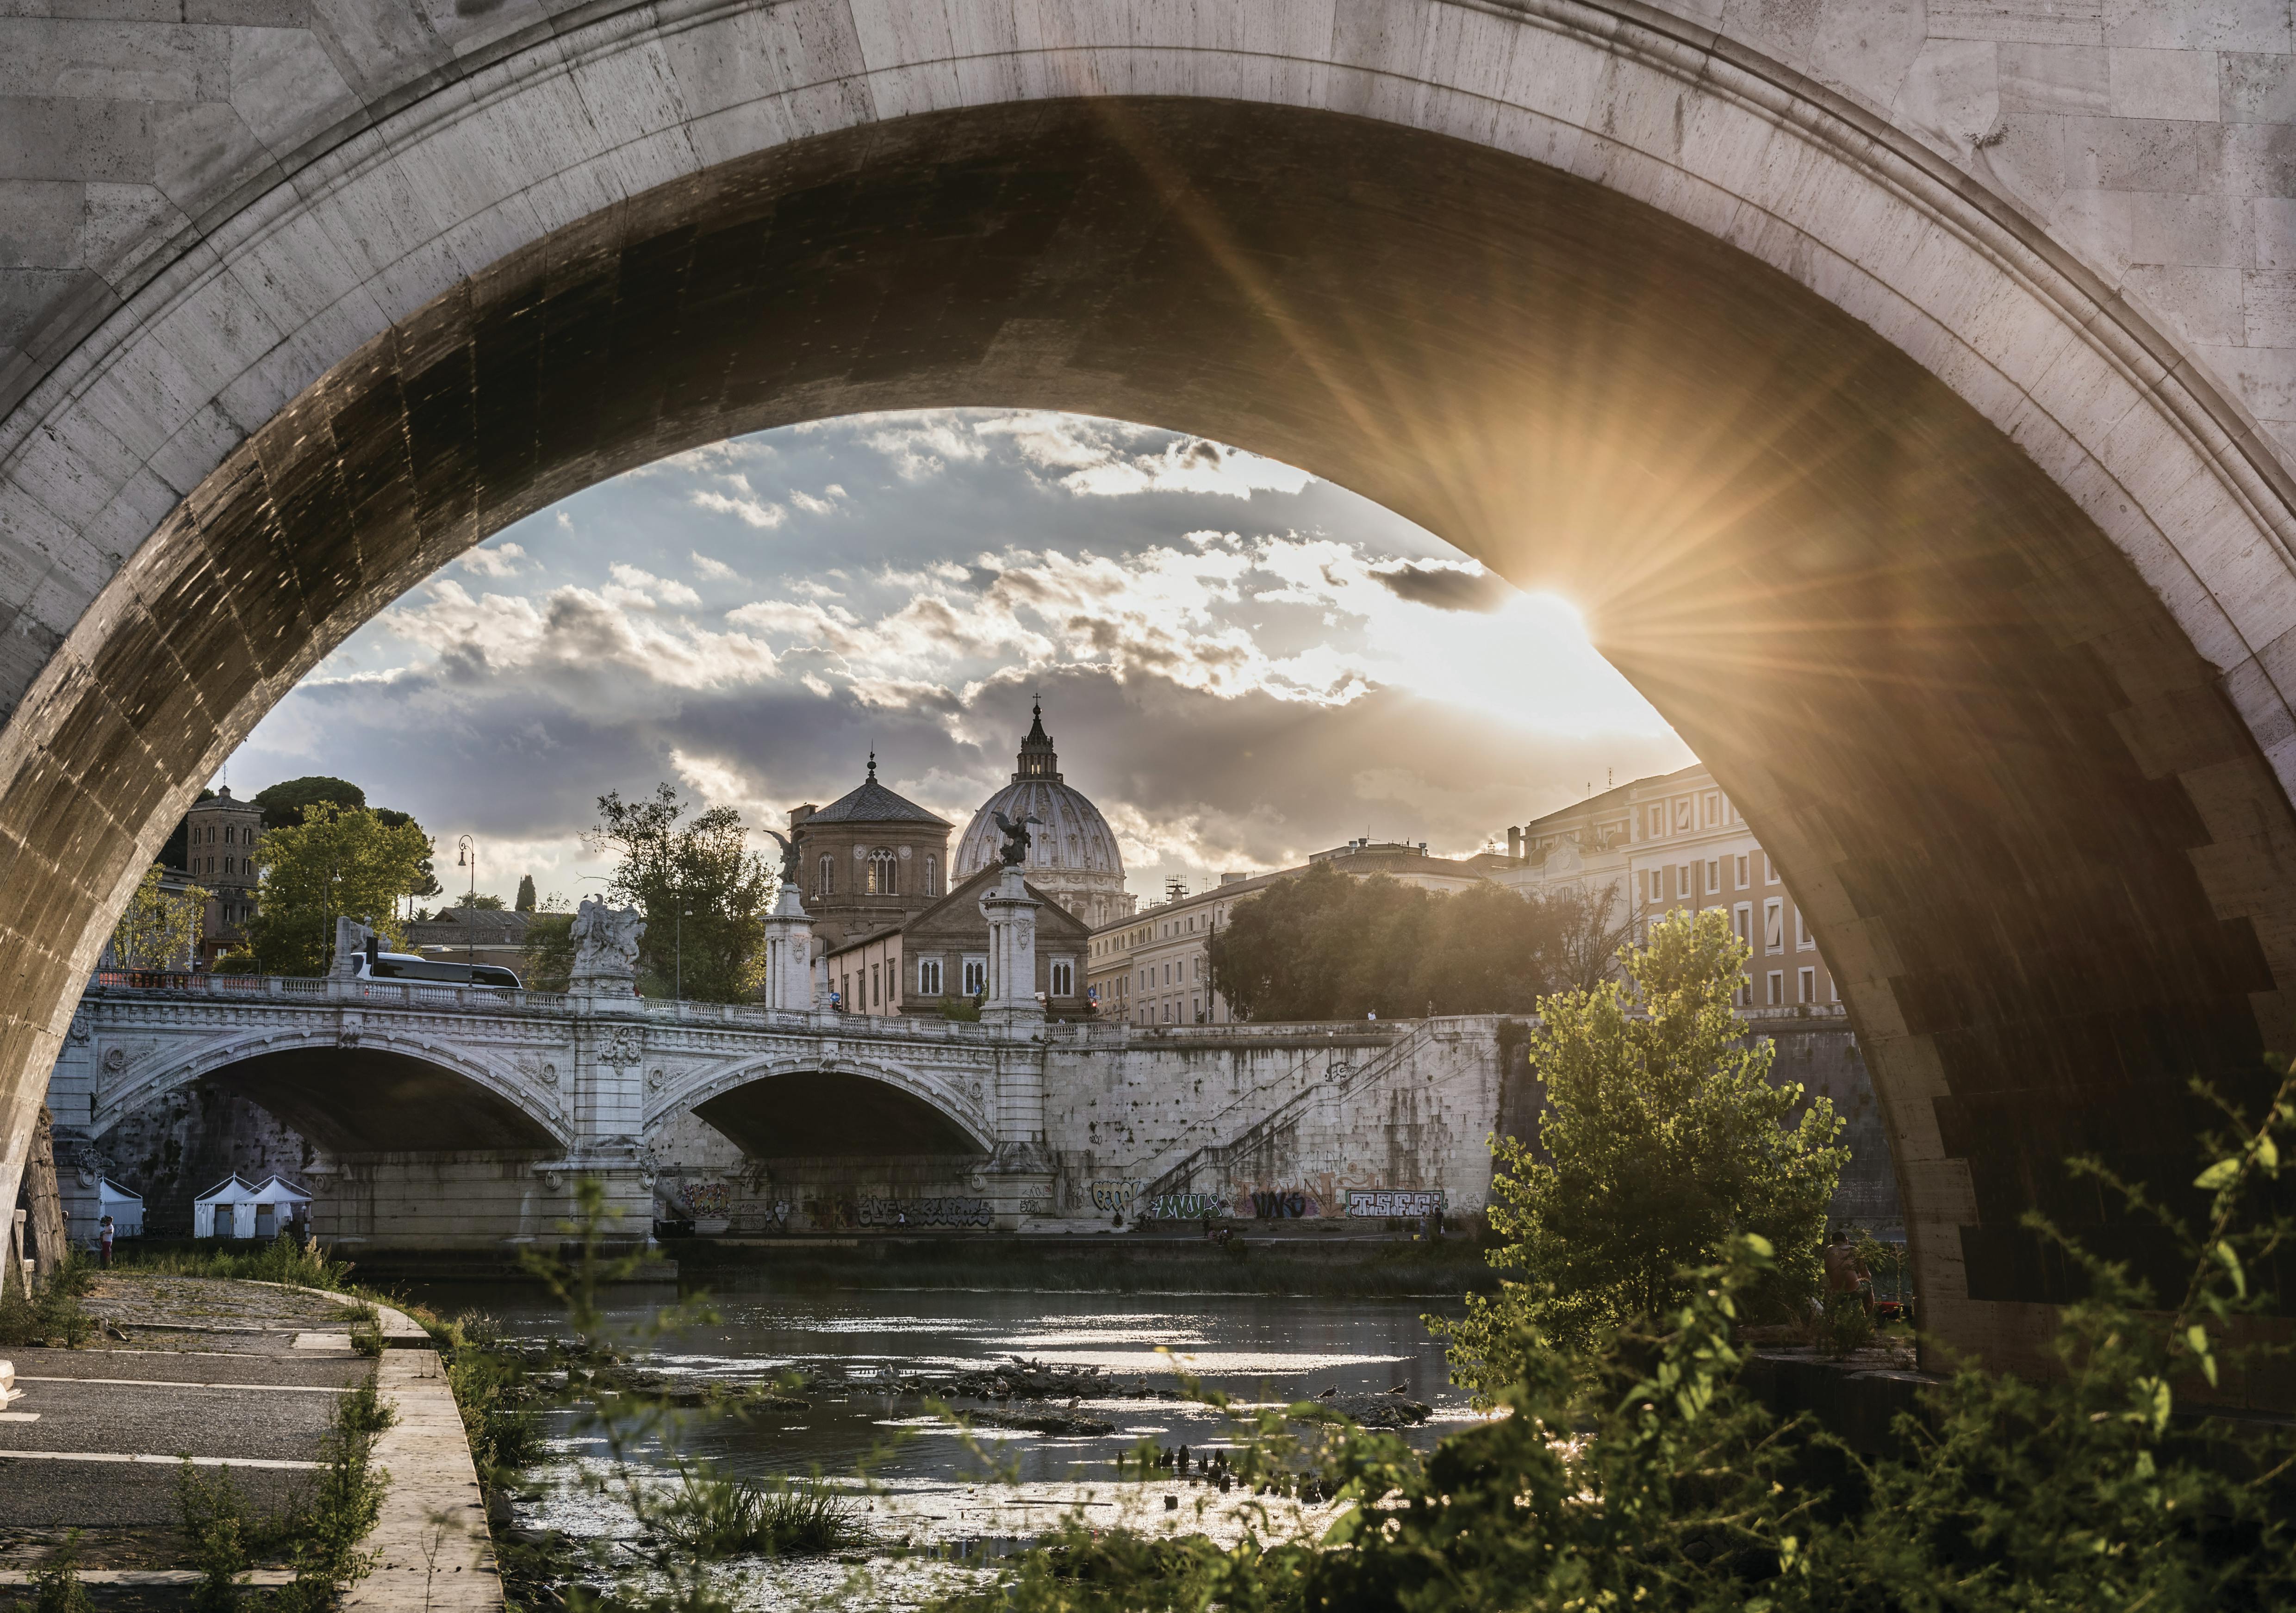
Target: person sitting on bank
1845, 1273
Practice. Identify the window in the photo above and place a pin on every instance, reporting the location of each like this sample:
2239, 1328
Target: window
1682, 881
928, 976
1803, 940
1063, 978
1713, 875
1167, 974
1746, 995
1771, 863
1742, 881
1809, 985
825, 883
884, 875
1777, 988
932, 876
1774, 926
976, 977
876, 987
1657, 821
1713, 807
1168, 1013
1682, 809
1745, 922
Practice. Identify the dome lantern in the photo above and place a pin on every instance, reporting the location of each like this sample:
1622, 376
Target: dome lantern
1072, 858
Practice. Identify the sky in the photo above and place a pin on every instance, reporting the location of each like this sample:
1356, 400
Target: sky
1240, 663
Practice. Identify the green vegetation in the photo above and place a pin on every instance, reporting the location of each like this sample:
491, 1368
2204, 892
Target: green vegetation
317, 1534
704, 893
525, 903
1663, 1136
336, 862
1329, 946
282, 1260
284, 803
715, 1516
158, 929
51, 1313
56, 1587
547, 954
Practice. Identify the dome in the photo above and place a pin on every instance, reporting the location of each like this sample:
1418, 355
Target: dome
1072, 855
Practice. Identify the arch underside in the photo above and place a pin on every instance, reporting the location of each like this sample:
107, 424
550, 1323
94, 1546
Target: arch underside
2026, 821
368, 1100
831, 1114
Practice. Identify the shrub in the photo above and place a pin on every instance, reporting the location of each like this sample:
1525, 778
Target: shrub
715, 1516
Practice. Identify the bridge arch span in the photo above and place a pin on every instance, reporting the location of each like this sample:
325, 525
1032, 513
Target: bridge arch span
383, 1093
792, 1107
1963, 574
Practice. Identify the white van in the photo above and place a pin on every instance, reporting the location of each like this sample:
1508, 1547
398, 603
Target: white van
374, 964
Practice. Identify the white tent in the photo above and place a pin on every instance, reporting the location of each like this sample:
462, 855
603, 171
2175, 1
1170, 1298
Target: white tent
227, 1196
236, 1208
126, 1209
277, 1202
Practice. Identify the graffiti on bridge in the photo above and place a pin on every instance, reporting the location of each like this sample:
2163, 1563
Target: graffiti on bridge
925, 1212
1377, 1203
1285, 1203
1115, 1195
1185, 1207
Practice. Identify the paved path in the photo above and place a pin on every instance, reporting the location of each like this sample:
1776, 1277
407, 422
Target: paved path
240, 1376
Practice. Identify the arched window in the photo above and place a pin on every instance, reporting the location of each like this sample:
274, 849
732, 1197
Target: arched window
828, 884
932, 876
884, 877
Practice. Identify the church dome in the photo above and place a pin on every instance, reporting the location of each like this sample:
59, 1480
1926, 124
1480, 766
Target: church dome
1072, 855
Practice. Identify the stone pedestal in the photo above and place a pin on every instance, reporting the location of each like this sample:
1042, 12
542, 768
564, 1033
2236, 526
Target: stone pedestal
1012, 914
789, 955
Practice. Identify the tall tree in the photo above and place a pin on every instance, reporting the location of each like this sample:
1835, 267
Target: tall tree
159, 930
1327, 946
1663, 1136
426, 881
704, 893
525, 903
335, 863
282, 804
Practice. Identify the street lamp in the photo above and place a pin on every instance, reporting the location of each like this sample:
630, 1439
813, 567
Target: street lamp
466, 855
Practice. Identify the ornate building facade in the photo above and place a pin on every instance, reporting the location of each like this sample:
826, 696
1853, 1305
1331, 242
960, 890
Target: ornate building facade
1072, 855
872, 860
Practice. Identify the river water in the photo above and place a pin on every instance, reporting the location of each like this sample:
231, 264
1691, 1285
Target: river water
941, 1495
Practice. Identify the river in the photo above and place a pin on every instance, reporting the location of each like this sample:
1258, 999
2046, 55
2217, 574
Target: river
935, 1490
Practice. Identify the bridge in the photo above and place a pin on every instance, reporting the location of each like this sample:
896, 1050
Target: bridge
450, 1116
1905, 394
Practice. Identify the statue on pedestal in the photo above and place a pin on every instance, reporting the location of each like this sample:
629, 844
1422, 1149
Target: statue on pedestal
606, 947
1015, 851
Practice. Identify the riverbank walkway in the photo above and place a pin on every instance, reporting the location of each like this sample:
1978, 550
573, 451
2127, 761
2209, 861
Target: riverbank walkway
239, 1377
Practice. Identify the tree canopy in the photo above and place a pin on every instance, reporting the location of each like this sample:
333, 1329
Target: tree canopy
160, 930
334, 863
1328, 947
282, 804
704, 893
525, 903
1663, 1137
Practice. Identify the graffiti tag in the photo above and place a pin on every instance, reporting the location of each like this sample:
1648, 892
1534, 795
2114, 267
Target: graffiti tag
925, 1212
1185, 1207
1284, 1204
708, 1198
1379, 1201
1114, 1195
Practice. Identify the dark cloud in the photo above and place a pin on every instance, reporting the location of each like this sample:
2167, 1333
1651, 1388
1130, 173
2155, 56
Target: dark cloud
1467, 587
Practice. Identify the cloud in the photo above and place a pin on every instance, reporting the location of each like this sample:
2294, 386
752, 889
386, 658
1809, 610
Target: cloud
1240, 663
500, 561
763, 516
1444, 586
643, 588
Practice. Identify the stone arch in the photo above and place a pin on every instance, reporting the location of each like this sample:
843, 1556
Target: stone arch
379, 1094
1964, 578
838, 1107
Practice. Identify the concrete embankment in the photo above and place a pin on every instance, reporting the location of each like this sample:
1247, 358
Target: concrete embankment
241, 1378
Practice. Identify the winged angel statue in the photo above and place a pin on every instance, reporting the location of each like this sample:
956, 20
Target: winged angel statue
1016, 837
